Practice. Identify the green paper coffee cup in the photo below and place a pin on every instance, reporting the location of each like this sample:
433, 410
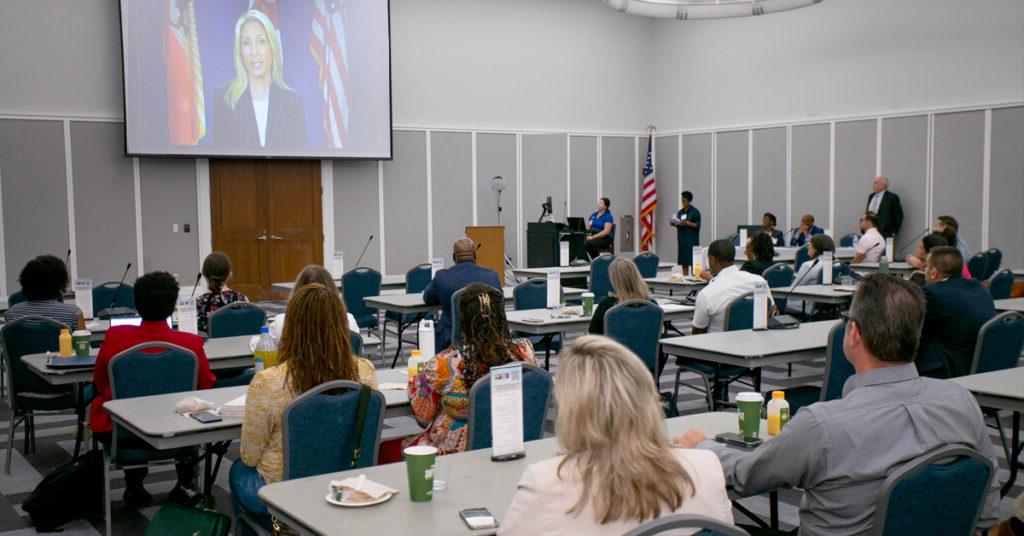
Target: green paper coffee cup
80, 342
748, 408
588, 303
419, 463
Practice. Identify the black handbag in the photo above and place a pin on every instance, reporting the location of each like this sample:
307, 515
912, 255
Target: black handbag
48, 504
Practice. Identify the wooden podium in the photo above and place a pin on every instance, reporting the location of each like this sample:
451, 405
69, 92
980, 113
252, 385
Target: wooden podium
491, 241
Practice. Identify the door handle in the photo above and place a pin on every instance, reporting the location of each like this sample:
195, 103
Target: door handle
262, 237
275, 237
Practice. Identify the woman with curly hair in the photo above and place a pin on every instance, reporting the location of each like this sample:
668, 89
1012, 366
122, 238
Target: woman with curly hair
760, 254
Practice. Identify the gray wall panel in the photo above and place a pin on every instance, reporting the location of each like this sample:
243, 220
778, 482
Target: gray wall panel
357, 214
405, 203
35, 195
543, 176
770, 175
732, 181
957, 171
451, 183
855, 170
168, 193
698, 169
583, 175
496, 156
809, 180
104, 187
905, 163
1006, 219
666, 171
618, 177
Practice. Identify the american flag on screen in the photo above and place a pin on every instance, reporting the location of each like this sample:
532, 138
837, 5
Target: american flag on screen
648, 202
186, 110
331, 53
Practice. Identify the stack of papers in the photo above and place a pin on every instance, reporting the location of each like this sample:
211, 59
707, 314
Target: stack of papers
235, 408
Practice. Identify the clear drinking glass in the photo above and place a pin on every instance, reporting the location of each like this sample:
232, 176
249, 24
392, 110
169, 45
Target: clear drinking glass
845, 280
442, 469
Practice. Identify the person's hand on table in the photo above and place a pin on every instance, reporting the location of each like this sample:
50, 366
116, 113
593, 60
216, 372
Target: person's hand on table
690, 439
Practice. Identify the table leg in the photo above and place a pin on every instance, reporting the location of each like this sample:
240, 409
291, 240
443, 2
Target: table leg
1014, 453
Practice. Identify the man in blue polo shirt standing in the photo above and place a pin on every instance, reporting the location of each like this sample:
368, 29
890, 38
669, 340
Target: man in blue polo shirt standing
602, 229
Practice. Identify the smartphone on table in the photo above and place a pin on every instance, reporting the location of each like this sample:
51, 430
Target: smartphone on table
206, 417
478, 518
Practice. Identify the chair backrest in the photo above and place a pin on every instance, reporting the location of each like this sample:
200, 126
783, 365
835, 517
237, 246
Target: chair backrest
839, 269
847, 240
456, 317
939, 492
995, 260
103, 294
710, 526
234, 319
999, 343
152, 368
537, 387
417, 278
16, 298
647, 264
977, 265
739, 314
356, 340
530, 294
801, 256
28, 335
600, 283
778, 275
356, 284
318, 430
636, 324
734, 238
837, 368
1001, 285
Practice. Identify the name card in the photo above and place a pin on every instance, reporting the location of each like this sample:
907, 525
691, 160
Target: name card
188, 319
436, 264
889, 249
761, 306
554, 288
507, 412
338, 264
563, 253
826, 268
426, 337
83, 296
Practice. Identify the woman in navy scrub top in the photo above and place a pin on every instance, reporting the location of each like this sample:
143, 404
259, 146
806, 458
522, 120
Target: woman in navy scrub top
602, 229
687, 231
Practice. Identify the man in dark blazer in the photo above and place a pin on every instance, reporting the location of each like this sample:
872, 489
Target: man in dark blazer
887, 206
957, 308
448, 281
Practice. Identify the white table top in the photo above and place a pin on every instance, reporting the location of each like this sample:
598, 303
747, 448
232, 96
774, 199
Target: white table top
571, 270
413, 303
1012, 304
749, 348
788, 254
675, 283
1001, 389
387, 282
833, 294
517, 320
873, 267
475, 481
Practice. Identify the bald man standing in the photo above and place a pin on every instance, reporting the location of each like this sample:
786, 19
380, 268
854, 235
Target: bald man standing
448, 281
886, 205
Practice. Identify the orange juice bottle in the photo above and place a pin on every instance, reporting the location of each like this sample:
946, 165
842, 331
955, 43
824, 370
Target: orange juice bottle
778, 413
64, 343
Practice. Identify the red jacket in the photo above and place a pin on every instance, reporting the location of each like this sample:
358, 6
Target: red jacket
121, 338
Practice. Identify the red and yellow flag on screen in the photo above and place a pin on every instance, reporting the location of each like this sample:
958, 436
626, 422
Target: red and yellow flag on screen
186, 110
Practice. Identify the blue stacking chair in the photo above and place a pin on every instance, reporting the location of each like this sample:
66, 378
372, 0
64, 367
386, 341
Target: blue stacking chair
600, 284
837, 370
27, 393
456, 317
103, 294
636, 324
839, 269
847, 240
533, 294
15, 298
235, 319
1000, 341
800, 257
146, 369
416, 279
537, 387
938, 493
995, 260
779, 275
735, 239
709, 526
356, 340
1001, 285
647, 264
977, 266
357, 284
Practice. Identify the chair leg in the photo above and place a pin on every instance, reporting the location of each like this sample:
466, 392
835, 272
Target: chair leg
1002, 437
789, 372
10, 441
106, 493
26, 445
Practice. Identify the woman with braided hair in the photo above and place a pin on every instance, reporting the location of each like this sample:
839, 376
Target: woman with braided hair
440, 393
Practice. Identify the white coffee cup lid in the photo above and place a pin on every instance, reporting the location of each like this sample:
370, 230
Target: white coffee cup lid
588, 294
749, 397
81, 333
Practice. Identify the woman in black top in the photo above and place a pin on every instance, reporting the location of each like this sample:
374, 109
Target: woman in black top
760, 254
627, 284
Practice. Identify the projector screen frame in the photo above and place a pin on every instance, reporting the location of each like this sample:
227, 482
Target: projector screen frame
390, 99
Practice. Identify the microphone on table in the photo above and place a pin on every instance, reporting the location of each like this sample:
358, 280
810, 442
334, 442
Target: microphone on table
364, 251
912, 241
194, 287
110, 310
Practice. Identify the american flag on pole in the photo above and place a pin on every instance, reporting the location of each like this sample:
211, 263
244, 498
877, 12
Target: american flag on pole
186, 109
331, 53
648, 202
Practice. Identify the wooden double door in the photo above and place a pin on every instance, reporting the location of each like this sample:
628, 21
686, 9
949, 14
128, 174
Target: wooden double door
267, 216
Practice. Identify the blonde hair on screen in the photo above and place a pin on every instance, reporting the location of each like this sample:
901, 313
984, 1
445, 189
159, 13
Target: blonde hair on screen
241, 81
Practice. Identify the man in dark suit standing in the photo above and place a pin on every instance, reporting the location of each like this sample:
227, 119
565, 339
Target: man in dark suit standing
887, 206
957, 308
448, 281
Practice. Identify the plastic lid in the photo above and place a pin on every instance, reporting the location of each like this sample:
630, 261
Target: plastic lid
779, 394
264, 329
749, 396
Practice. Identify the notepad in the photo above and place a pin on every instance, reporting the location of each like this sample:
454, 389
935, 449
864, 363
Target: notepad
234, 408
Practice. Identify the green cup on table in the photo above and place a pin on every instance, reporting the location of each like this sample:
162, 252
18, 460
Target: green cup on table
80, 342
419, 463
748, 410
588, 303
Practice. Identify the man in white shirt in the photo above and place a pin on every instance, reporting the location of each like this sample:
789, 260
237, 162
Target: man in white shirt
871, 245
728, 283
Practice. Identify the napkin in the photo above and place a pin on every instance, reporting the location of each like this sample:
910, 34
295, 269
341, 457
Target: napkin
675, 277
359, 490
234, 408
574, 310
192, 404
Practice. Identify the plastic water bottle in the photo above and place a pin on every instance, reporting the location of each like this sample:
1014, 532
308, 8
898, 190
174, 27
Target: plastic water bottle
258, 365
778, 413
266, 348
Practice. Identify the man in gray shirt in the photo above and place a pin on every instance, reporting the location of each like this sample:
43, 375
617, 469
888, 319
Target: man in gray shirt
839, 452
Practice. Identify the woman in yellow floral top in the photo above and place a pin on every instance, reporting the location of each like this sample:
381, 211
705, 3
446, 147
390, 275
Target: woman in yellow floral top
440, 393
315, 349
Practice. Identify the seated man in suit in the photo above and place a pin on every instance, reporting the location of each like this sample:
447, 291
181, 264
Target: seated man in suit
957, 308
728, 283
841, 451
448, 281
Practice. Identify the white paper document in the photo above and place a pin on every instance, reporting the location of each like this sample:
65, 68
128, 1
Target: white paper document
338, 264
83, 296
436, 264
188, 319
761, 306
743, 238
554, 288
234, 408
507, 411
